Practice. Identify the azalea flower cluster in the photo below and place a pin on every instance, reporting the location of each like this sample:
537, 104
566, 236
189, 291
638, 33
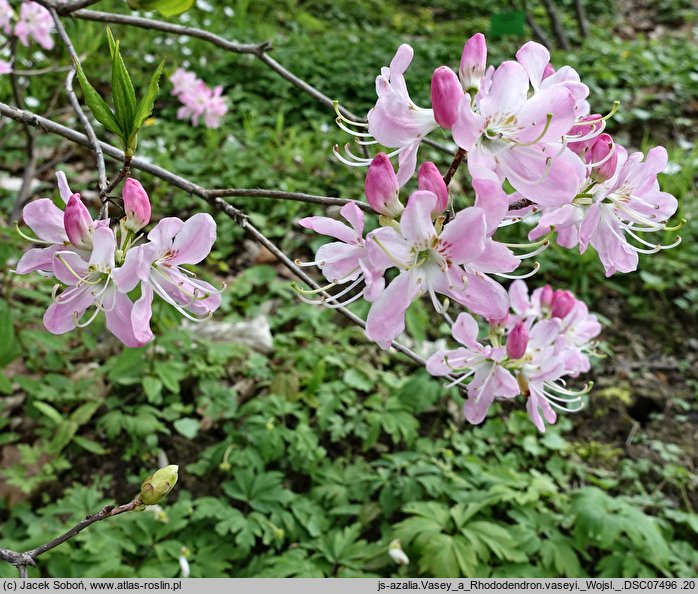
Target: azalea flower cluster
198, 100
521, 126
545, 337
32, 22
98, 267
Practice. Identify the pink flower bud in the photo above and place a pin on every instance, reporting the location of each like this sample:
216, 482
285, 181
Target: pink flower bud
582, 130
548, 71
473, 62
136, 205
446, 93
517, 341
603, 158
381, 187
78, 223
546, 296
563, 302
430, 179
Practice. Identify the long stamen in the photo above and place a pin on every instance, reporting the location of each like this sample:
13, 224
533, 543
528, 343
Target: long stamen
32, 239
160, 291
536, 268
387, 253
90, 319
75, 274
629, 231
460, 380
548, 120
535, 252
348, 130
335, 104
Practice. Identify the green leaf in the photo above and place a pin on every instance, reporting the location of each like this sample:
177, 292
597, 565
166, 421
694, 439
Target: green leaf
145, 105
166, 8
152, 387
89, 445
84, 413
9, 348
62, 437
187, 427
48, 411
97, 105
123, 94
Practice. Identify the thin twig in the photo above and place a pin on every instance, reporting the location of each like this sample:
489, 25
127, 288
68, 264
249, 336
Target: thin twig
294, 196
123, 173
30, 169
457, 160
94, 142
134, 21
69, 7
22, 560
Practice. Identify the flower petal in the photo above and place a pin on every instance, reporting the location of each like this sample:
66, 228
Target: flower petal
330, 227
103, 248
63, 317
416, 224
46, 220
463, 239
37, 259
194, 240
119, 320
386, 319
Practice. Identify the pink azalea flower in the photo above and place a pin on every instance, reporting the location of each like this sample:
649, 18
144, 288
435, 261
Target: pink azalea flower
509, 135
157, 265
182, 81
198, 100
6, 15
578, 327
91, 285
395, 121
45, 219
535, 58
5, 67
339, 261
608, 214
491, 380
445, 262
35, 22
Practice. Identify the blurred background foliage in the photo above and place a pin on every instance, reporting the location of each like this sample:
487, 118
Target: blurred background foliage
307, 459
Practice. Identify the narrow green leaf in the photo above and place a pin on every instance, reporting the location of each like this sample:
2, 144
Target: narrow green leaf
97, 105
145, 106
89, 445
112, 42
9, 347
48, 411
123, 93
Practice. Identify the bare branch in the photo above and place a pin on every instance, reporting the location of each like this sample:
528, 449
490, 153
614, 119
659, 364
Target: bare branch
94, 143
294, 196
558, 29
30, 169
22, 560
106, 512
134, 21
69, 7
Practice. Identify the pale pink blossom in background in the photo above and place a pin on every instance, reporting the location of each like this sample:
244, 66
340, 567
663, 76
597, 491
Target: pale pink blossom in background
198, 100
5, 67
35, 22
6, 14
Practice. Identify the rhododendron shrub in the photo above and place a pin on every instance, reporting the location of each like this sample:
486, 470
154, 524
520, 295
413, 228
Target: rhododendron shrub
538, 158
